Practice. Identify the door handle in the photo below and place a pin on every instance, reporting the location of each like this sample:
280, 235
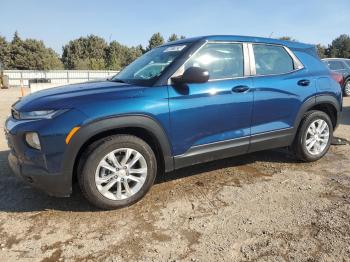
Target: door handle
304, 82
240, 89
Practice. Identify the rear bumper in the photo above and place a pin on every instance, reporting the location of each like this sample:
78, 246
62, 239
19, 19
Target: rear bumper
53, 184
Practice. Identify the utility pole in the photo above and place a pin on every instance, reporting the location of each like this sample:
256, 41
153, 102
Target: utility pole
1, 76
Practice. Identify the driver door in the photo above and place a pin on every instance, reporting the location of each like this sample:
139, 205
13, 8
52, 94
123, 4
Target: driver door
212, 120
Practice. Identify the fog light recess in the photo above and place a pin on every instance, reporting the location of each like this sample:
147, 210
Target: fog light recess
33, 140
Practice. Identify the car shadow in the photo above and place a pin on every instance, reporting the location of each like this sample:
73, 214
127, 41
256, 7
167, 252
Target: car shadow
17, 196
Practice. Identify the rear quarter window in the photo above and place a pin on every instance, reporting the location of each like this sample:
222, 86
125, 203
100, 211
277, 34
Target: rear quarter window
271, 60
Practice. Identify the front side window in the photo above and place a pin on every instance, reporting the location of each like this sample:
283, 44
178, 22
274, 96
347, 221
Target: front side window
335, 65
271, 60
148, 68
222, 60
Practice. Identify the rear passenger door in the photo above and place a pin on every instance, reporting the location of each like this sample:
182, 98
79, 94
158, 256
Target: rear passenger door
280, 87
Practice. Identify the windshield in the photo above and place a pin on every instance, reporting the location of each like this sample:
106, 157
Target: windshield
147, 69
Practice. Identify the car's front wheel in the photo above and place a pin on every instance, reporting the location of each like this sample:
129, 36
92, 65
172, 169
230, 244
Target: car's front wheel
117, 171
314, 136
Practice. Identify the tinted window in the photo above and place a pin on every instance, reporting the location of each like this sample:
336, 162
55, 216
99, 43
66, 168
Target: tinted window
270, 59
221, 60
347, 62
335, 65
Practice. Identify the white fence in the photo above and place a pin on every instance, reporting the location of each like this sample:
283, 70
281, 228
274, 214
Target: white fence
59, 77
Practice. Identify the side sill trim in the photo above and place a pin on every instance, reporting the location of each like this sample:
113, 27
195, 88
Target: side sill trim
213, 151
272, 139
233, 147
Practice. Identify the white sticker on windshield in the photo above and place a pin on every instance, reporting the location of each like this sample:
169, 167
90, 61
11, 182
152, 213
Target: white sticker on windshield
174, 48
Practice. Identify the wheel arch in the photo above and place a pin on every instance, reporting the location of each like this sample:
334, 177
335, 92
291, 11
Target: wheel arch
347, 78
325, 103
141, 126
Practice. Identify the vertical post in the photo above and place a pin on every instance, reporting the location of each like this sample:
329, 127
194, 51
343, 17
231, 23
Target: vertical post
1, 78
1, 75
21, 81
22, 90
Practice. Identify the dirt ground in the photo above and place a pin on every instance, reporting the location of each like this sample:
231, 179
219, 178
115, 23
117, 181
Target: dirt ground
258, 207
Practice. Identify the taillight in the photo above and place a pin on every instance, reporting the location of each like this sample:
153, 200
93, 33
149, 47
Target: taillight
338, 77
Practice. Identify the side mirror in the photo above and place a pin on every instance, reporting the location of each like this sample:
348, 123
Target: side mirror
192, 75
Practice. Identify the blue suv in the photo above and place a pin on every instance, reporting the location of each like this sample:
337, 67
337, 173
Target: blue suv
180, 104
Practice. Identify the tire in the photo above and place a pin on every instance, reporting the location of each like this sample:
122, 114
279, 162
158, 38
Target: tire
102, 166
303, 137
347, 88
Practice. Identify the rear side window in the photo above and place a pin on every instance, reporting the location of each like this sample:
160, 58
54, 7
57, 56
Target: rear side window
271, 60
335, 65
347, 62
221, 60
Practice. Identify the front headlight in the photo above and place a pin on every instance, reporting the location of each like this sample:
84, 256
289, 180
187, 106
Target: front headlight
37, 114
42, 114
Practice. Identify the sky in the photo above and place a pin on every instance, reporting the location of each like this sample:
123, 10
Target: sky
132, 22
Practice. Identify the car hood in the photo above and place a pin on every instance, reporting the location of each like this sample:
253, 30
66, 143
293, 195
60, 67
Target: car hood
68, 96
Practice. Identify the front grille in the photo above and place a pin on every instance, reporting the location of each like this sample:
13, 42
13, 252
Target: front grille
15, 113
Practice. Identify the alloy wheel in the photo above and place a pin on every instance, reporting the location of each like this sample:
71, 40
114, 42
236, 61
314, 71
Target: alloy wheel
347, 88
317, 137
121, 174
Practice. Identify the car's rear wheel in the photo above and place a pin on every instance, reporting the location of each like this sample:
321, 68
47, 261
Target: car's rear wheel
117, 171
314, 136
347, 88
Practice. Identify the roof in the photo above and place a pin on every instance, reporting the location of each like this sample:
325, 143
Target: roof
239, 38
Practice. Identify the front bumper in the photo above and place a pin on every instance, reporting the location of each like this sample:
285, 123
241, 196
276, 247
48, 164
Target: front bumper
53, 184
40, 169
